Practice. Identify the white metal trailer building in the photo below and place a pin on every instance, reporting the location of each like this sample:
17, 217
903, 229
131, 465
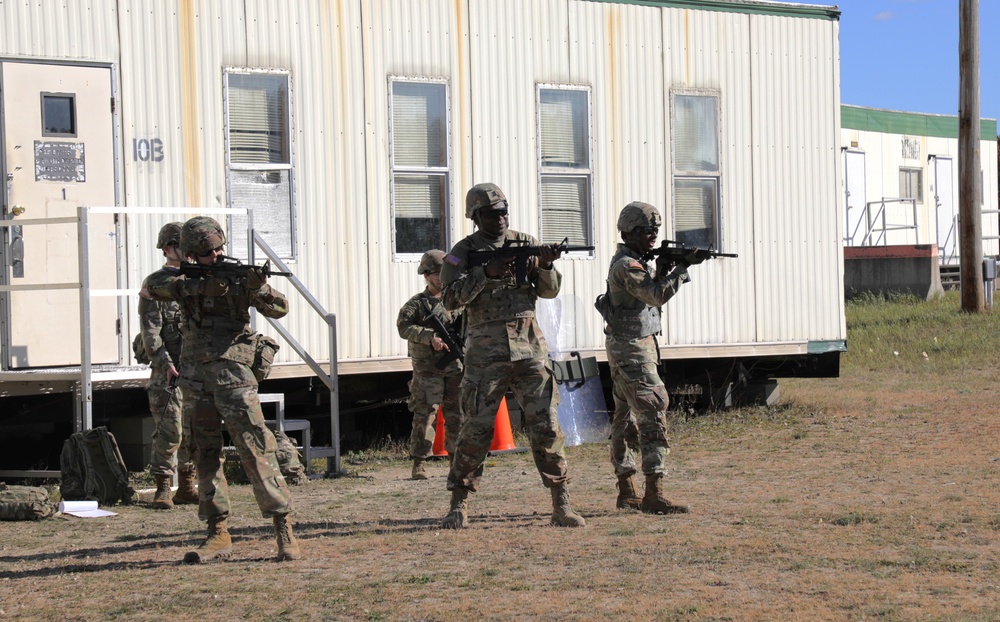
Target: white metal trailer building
901, 180
351, 130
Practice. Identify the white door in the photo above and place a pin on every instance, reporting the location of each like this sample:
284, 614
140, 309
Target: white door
947, 217
58, 139
856, 197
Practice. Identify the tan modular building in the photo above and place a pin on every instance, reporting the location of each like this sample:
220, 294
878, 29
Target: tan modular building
347, 133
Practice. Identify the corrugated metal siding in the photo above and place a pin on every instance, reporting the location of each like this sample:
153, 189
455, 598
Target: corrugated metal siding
712, 51
795, 149
319, 42
78, 30
412, 40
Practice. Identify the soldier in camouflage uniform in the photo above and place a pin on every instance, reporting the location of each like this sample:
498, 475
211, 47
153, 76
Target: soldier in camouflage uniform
430, 386
505, 349
161, 338
219, 385
631, 311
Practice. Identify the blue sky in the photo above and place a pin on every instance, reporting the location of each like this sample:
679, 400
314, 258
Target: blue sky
903, 55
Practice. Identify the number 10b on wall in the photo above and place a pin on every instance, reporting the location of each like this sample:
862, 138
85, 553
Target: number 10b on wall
147, 149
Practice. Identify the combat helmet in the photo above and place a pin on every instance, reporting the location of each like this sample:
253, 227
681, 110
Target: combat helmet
431, 262
170, 233
638, 214
200, 235
484, 195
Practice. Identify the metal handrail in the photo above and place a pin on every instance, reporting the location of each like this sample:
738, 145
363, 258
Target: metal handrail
330, 380
867, 240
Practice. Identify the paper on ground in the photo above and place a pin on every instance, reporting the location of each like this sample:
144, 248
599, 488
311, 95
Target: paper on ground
84, 509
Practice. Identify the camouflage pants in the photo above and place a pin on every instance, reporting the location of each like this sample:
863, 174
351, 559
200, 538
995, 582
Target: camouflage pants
171, 431
534, 388
427, 392
228, 394
639, 420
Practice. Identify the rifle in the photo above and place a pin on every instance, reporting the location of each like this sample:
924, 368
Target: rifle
455, 351
228, 268
520, 250
675, 252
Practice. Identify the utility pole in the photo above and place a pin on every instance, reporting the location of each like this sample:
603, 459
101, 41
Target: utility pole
969, 166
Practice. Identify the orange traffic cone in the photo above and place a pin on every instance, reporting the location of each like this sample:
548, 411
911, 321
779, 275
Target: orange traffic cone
503, 437
438, 448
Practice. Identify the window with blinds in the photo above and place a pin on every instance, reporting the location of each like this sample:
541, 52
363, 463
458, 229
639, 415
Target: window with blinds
696, 173
419, 161
565, 173
911, 184
259, 160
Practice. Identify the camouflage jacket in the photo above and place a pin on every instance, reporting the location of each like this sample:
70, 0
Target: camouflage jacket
500, 315
635, 297
159, 323
218, 327
411, 326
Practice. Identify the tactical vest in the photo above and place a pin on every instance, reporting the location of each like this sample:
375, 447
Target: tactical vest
628, 322
633, 323
498, 302
222, 331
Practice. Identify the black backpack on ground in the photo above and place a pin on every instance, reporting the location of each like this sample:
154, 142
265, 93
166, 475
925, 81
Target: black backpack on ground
93, 469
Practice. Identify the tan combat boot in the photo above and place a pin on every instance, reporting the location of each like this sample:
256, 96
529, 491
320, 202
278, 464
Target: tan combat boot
419, 471
627, 496
653, 501
562, 514
288, 546
186, 493
161, 498
458, 517
217, 545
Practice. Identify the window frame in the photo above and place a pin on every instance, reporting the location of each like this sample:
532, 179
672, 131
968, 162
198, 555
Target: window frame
73, 114
443, 172
586, 174
263, 168
919, 199
678, 174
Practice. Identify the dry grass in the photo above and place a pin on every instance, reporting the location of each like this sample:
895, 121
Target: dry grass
873, 496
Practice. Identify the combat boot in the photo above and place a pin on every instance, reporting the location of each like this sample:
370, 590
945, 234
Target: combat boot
458, 517
288, 546
186, 493
562, 514
627, 496
653, 501
217, 545
419, 471
161, 498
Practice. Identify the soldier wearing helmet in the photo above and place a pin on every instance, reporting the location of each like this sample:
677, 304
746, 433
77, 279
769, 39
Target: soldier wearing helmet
437, 371
160, 341
218, 377
631, 311
505, 350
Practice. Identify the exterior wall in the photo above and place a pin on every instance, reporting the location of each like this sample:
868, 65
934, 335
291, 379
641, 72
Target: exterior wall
774, 65
881, 135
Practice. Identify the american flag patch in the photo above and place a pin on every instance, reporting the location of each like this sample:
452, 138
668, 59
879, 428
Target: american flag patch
452, 260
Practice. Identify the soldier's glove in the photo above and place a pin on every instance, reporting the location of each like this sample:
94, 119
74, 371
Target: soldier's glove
256, 278
693, 258
214, 287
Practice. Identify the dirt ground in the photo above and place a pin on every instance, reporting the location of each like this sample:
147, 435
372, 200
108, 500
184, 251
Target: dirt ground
855, 499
